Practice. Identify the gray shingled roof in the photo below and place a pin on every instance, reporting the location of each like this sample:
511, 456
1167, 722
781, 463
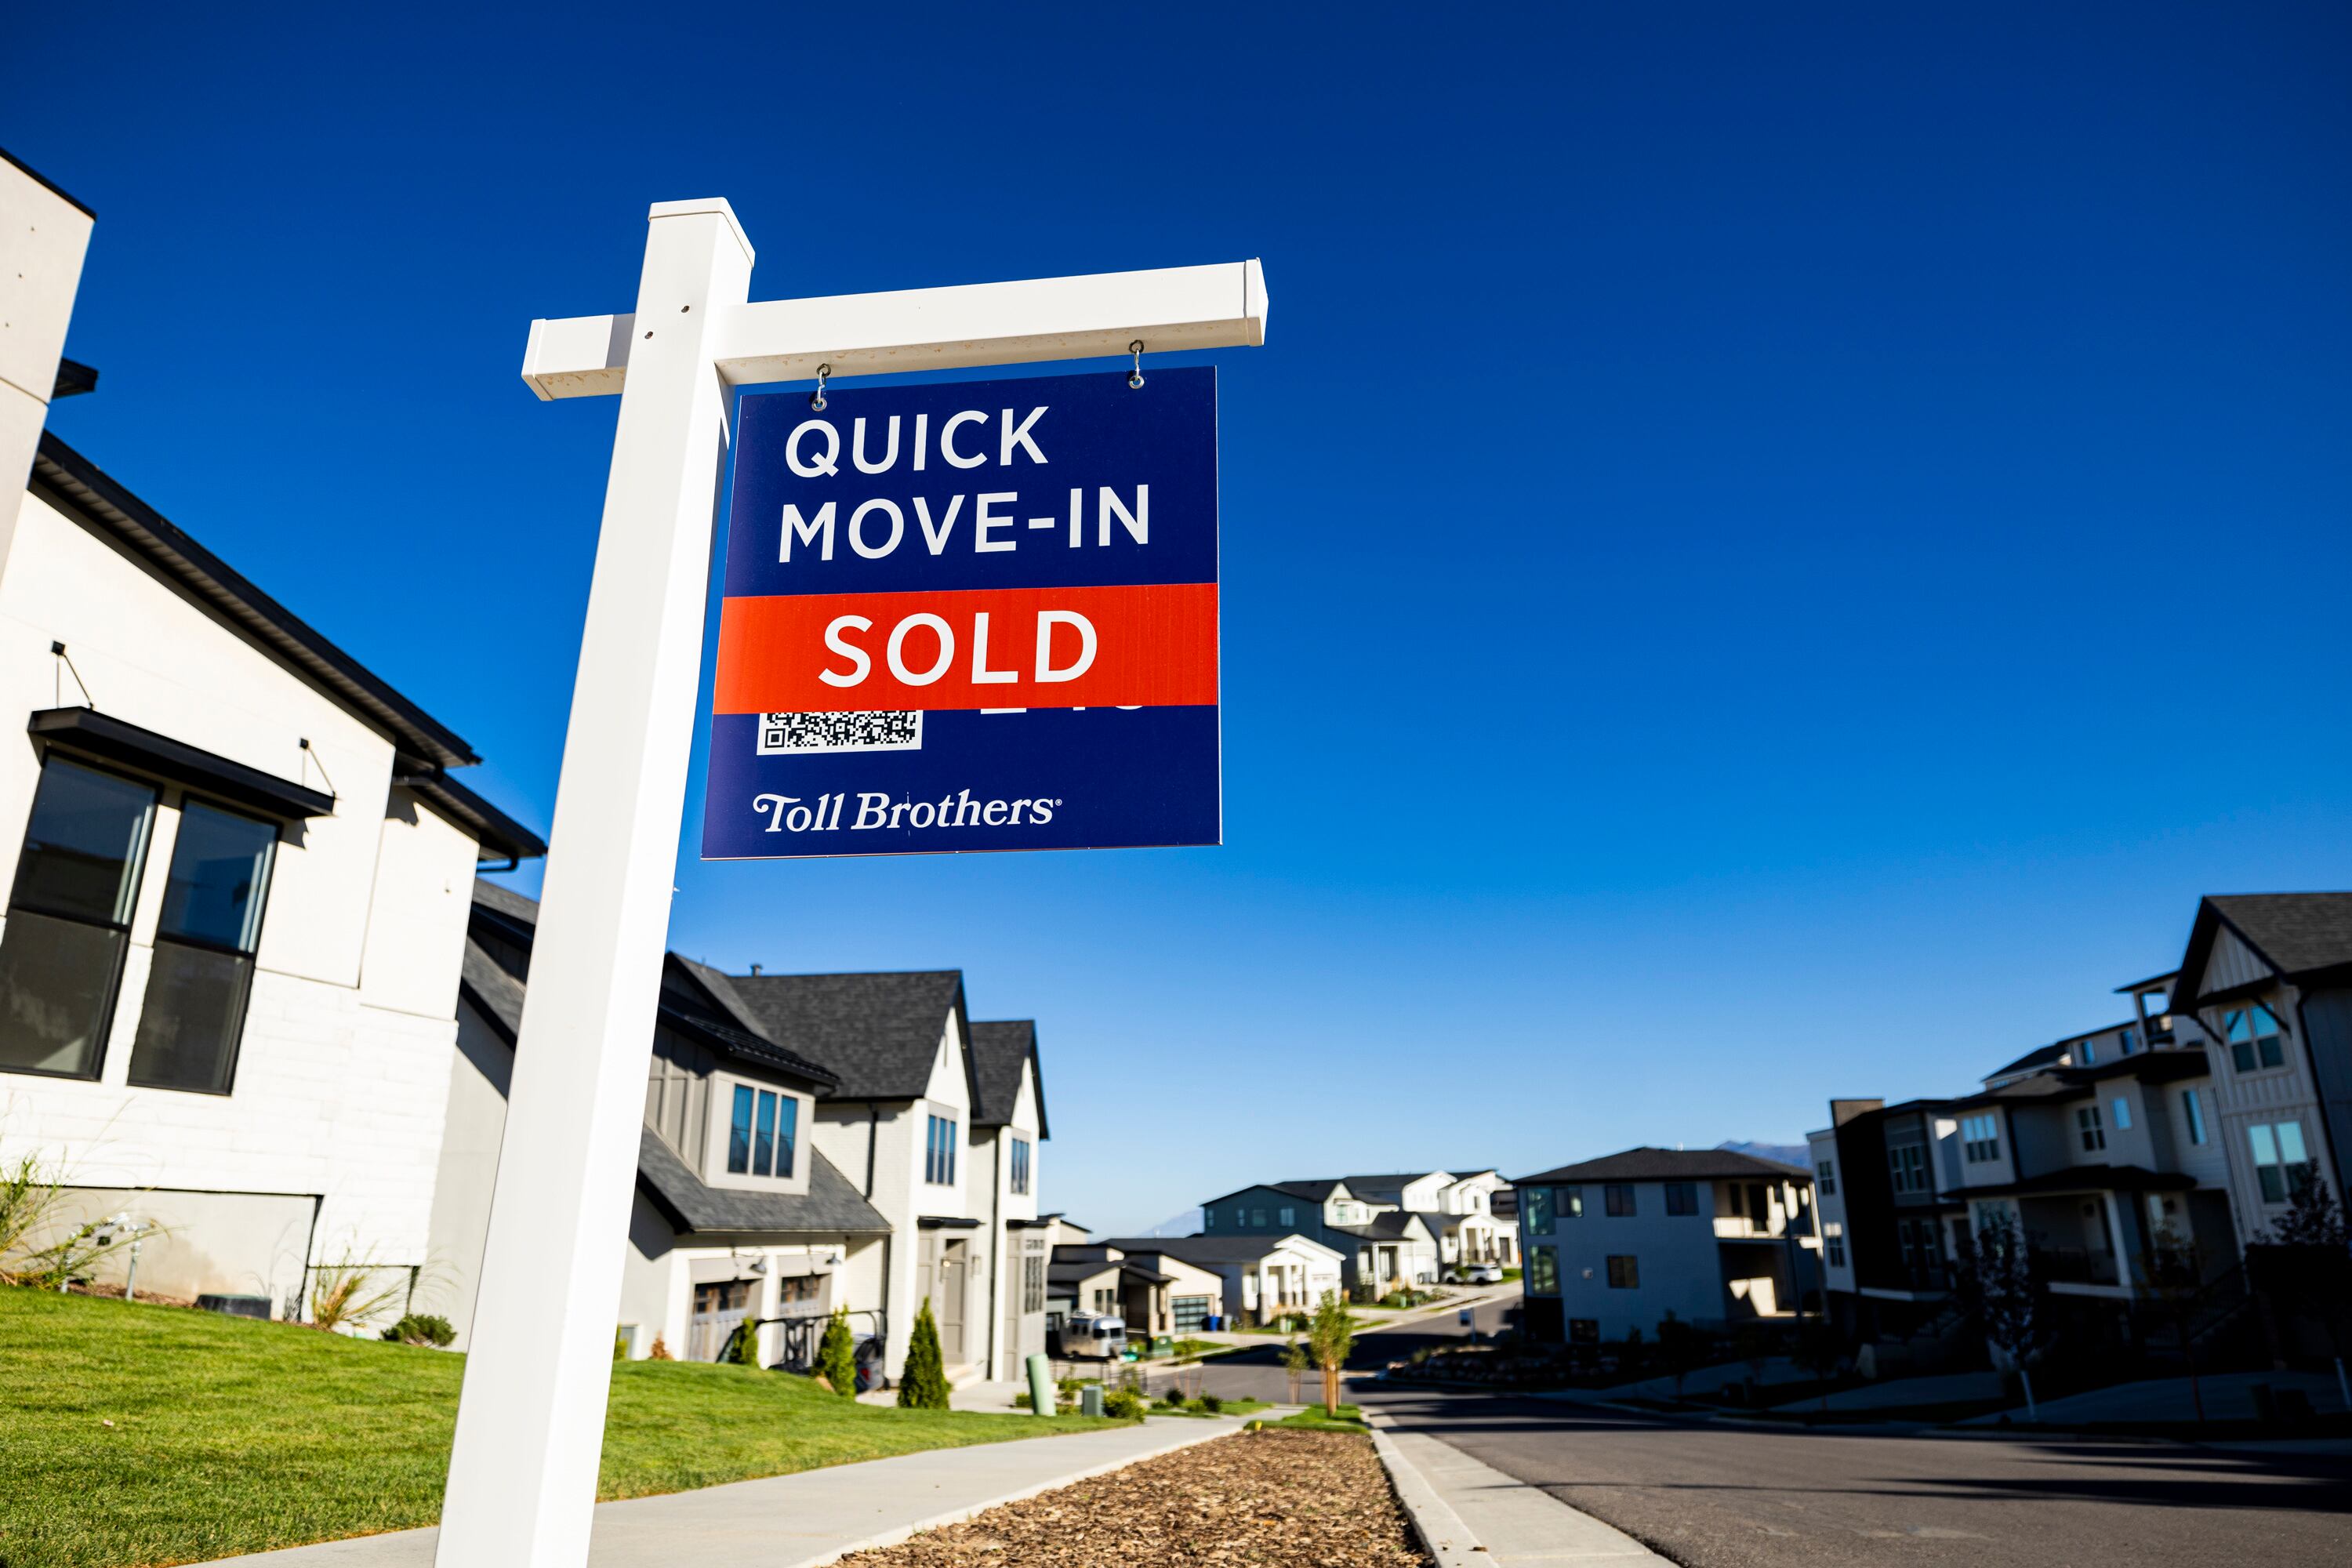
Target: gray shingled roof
1647, 1164
1390, 1224
1207, 1249
1363, 1186
830, 1207
2040, 1057
725, 1023
2295, 933
998, 1049
878, 1033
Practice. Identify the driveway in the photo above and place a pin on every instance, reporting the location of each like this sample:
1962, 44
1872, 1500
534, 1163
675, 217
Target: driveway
1715, 1495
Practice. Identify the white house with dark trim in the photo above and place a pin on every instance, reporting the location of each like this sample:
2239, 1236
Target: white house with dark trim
239, 866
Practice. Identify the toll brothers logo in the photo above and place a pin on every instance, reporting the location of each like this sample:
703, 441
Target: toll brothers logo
825, 734
823, 812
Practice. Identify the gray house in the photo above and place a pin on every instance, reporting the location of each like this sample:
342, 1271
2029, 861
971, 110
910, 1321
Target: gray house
1379, 1244
1613, 1245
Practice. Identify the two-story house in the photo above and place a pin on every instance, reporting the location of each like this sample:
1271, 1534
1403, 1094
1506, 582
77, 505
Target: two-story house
2101, 1149
1456, 1206
736, 1216
2268, 979
1381, 1244
939, 1122
239, 866
1616, 1244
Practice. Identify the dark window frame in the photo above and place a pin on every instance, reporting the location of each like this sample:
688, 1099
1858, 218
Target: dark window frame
1611, 1193
119, 930
249, 957
1628, 1277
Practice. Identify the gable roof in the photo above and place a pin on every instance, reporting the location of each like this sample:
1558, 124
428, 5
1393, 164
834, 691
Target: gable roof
878, 1034
2040, 1057
1390, 1224
86, 494
831, 1206
1207, 1249
1307, 1192
713, 1016
2295, 933
1390, 1184
999, 1050
1648, 1164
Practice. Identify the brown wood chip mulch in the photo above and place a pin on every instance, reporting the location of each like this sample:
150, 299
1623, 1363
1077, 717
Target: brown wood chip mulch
1269, 1499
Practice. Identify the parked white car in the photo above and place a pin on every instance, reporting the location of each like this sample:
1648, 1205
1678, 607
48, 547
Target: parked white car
1487, 1274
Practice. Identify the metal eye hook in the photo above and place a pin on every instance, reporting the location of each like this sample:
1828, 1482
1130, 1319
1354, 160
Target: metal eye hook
816, 398
1135, 376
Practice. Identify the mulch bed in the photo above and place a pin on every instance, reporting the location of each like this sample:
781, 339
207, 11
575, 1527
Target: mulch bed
1274, 1499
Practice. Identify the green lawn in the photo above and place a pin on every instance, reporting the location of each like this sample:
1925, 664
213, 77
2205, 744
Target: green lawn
1316, 1418
138, 1435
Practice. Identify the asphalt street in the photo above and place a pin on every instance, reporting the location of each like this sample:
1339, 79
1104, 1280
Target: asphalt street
1715, 1495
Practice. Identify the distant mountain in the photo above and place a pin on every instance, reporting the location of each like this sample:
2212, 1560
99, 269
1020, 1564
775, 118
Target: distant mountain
1796, 1155
1187, 1223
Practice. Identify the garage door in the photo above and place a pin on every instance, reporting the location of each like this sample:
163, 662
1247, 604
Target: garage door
1190, 1312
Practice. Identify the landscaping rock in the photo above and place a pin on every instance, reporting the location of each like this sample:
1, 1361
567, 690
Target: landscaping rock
1269, 1499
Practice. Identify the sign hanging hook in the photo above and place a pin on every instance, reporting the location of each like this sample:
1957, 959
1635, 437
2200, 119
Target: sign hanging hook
816, 398
1135, 376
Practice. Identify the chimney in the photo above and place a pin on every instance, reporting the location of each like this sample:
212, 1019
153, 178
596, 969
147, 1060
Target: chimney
755, 971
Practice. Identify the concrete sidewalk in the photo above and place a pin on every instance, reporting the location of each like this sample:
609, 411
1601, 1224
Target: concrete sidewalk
814, 1517
1468, 1513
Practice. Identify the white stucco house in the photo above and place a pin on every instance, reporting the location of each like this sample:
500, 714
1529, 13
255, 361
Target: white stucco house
1261, 1278
239, 868
811, 1141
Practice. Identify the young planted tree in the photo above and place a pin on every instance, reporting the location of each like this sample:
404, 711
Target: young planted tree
924, 1384
2172, 1277
837, 1354
2003, 1289
1680, 1347
1293, 1362
1330, 1335
743, 1350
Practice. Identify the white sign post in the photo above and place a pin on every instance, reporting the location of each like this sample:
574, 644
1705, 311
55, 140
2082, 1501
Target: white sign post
530, 1420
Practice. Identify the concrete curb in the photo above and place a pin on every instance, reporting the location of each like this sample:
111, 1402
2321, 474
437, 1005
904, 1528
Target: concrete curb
1436, 1525
1207, 1431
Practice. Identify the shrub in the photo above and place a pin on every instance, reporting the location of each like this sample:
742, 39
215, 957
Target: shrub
421, 1329
1212, 1403
743, 1350
836, 1355
1124, 1404
660, 1350
924, 1384
1172, 1397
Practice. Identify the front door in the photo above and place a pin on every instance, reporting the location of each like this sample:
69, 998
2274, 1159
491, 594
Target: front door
948, 1281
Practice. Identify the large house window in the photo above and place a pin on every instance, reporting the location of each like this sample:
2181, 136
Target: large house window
2088, 1127
1289, 1215
1827, 1171
1535, 1203
1681, 1198
940, 1152
1625, 1273
1543, 1270
2130, 1042
1907, 1163
2192, 1111
1618, 1199
1569, 1202
1021, 1165
2123, 1115
203, 971
69, 919
1833, 1244
762, 1133
1257, 1219
1980, 1138
1032, 1283
2255, 1036
2281, 1162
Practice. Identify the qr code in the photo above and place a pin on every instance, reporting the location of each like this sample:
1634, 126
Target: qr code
807, 735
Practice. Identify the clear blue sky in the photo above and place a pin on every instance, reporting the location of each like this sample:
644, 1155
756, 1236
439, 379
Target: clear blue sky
1768, 556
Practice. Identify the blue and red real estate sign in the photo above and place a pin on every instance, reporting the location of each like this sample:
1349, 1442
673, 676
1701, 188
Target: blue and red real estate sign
977, 616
